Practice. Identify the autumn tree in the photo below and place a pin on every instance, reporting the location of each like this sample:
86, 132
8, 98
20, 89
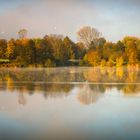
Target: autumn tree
69, 48
81, 51
58, 50
88, 34
119, 61
44, 51
93, 58
10, 50
30, 52
107, 50
133, 59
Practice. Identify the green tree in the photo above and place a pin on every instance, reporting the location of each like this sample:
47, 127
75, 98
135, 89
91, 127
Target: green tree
3, 46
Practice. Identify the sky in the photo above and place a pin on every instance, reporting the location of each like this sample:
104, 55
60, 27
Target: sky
115, 19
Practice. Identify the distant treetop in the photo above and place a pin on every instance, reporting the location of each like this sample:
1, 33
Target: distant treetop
87, 35
22, 33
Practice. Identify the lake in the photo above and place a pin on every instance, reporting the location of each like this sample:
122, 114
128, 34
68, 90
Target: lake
70, 103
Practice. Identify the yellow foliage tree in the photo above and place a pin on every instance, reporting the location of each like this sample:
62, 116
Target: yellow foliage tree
93, 58
119, 61
133, 58
10, 49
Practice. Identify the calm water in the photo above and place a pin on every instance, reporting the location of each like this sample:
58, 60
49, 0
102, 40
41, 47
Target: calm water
70, 103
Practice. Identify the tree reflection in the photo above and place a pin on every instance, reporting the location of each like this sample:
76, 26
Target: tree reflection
120, 73
59, 82
88, 95
131, 89
21, 99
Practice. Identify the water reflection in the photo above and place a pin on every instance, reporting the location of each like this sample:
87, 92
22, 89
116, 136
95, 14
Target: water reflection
88, 94
104, 75
21, 99
65, 102
92, 83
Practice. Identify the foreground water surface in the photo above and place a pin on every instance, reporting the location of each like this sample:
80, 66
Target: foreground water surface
70, 103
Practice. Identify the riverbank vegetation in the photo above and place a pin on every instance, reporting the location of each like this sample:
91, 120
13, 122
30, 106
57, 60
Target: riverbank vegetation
56, 50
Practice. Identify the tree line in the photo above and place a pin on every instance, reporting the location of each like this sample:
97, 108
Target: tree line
56, 50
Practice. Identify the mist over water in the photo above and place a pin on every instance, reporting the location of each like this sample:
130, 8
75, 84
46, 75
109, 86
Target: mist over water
70, 103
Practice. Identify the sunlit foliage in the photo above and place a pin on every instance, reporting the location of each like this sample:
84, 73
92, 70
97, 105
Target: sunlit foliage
57, 50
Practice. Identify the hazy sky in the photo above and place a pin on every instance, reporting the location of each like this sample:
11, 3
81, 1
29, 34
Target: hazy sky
114, 18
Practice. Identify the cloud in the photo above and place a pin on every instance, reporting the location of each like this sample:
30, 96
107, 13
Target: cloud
41, 17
